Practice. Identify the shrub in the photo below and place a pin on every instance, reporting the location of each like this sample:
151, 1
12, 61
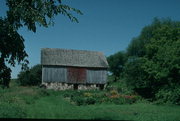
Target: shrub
94, 97
169, 95
30, 77
84, 100
114, 97
79, 101
81, 97
88, 94
90, 100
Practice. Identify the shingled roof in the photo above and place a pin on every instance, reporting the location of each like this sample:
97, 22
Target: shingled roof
76, 58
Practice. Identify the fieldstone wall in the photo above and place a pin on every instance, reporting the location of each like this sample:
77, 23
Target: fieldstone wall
87, 87
65, 86
57, 86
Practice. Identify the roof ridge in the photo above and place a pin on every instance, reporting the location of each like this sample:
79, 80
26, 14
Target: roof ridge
70, 49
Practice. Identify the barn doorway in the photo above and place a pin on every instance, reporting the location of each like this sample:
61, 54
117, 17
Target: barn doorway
75, 86
76, 75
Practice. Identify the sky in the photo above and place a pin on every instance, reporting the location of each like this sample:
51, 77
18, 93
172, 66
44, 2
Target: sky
107, 26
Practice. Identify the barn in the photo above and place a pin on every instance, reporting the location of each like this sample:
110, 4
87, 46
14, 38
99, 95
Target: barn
73, 69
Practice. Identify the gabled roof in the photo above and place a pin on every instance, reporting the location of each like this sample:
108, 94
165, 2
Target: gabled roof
76, 58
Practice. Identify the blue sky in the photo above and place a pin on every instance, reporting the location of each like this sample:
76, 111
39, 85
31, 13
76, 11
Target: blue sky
107, 26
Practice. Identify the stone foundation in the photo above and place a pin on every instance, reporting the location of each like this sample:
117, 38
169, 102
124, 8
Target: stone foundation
65, 86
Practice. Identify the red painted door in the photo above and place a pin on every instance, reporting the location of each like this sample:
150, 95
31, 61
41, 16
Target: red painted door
76, 75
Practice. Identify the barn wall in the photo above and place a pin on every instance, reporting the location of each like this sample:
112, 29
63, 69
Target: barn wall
96, 76
63, 74
54, 74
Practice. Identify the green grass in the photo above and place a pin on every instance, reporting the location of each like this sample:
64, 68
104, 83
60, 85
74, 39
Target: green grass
56, 107
36, 103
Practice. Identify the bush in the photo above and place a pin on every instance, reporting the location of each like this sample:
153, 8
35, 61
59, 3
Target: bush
120, 86
90, 101
78, 100
84, 100
81, 98
94, 97
30, 77
169, 95
116, 98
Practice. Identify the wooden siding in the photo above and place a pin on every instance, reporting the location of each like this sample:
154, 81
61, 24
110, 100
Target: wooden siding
73, 75
54, 74
96, 76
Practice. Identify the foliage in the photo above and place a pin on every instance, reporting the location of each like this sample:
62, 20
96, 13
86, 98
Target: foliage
158, 64
50, 104
11, 51
137, 45
84, 101
136, 78
116, 63
33, 12
169, 95
96, 97
30, 77
120, 86
29, 13
163, 53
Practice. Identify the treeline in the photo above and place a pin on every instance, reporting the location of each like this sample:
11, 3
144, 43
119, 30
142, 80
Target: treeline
30, 77
150, 65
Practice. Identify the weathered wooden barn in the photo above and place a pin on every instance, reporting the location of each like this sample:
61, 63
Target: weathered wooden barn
73, 69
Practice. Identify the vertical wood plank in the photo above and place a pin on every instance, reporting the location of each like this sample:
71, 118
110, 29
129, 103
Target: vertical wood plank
54, 74
96, 76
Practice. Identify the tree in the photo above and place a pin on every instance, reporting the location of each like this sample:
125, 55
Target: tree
137, 46
159, 63
32, 12
116, 63
30, 77
29, 13
137, 78
11, 50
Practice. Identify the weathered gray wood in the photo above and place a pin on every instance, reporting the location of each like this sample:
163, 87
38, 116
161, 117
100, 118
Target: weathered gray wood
96, 76
75, 58
59, 74
54, 74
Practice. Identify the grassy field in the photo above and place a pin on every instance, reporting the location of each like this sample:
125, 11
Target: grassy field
36, 103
